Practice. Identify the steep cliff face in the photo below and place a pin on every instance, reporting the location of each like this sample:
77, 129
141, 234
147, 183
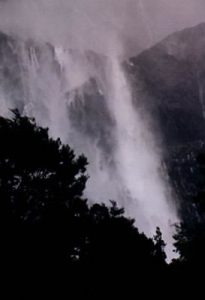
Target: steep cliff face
33, 78
23, 64
170, 81
64, 89
67, 89
85, 99
11, 88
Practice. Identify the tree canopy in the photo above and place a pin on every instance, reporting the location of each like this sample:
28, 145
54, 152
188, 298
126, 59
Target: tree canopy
53, 239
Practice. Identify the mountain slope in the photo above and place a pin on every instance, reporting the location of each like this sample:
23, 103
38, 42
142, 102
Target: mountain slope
168, 82
169, 79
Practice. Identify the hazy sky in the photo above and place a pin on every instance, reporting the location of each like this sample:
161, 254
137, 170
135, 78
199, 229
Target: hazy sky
138, 23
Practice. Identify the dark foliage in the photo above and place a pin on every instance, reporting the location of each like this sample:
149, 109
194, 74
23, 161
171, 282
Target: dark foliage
53, 243
188, 269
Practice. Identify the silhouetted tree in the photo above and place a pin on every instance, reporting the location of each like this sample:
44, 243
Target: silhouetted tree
51, 237
190, 235
41, 186
190, 241
36, 172
159, 246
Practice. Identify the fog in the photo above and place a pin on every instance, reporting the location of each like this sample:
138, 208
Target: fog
115, 29
139, 23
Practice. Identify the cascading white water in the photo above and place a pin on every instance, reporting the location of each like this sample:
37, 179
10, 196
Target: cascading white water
56, 77
137, 160
134, 178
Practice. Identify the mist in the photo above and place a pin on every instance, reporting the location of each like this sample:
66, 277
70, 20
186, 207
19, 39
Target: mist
138, 23
130, 172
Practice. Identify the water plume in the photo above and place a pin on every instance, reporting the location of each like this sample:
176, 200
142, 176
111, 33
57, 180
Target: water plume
69, 64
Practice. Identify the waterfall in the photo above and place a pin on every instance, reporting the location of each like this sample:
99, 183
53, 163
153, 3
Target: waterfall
80, 91
137, 160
